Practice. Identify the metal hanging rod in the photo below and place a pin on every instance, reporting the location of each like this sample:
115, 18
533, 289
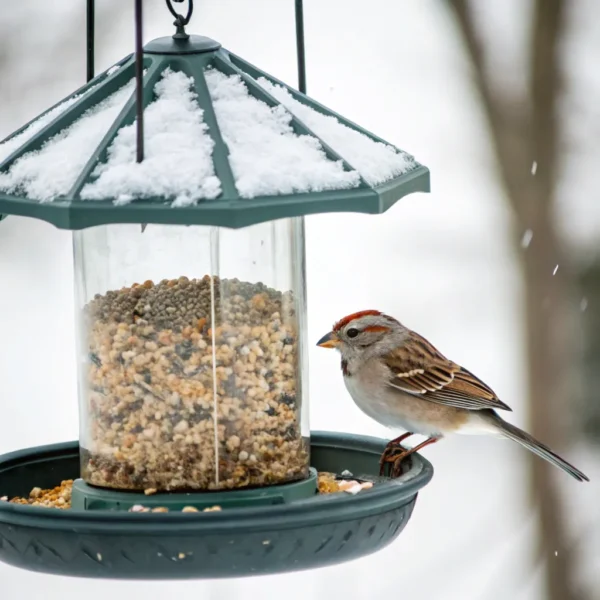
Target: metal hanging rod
300, 46
90, 37
139, 74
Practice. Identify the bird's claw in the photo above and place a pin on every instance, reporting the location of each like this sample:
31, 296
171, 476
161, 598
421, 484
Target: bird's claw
393, 454
396, 469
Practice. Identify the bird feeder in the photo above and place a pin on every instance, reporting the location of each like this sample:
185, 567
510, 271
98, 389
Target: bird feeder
191, 322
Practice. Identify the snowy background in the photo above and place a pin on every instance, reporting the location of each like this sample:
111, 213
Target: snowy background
440, 262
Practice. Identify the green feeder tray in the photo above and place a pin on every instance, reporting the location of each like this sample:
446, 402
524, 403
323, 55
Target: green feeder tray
292, 535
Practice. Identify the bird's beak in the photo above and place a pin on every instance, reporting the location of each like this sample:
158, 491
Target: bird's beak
330, 340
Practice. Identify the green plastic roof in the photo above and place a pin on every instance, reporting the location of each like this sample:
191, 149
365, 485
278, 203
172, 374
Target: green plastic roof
228, 209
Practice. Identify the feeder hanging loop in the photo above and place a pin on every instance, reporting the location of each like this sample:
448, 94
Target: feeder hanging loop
181, 21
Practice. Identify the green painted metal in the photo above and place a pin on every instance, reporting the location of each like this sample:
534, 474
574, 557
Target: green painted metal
235, 542
193, 57
220, 152
194, 44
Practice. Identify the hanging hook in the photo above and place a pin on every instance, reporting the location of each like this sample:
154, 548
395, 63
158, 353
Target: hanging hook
181, 21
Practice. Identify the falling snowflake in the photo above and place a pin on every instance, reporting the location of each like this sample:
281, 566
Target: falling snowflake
526, 239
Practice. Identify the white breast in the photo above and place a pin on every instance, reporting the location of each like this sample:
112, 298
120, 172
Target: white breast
386, 405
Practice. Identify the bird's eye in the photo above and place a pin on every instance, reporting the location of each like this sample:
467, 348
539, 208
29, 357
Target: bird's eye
352, 333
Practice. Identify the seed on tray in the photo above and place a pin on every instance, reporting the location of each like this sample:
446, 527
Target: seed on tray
58, 497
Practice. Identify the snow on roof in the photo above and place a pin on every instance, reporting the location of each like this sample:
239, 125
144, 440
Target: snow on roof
177, 161
14, 143
50, 172
375, 161
266, 156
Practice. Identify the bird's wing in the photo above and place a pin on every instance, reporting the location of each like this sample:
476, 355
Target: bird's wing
420, 369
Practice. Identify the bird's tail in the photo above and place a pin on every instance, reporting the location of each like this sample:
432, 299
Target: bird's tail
518, 435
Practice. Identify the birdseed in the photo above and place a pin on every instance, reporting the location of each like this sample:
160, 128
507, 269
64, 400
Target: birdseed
60, 496
328, 483
149, 404
57, 497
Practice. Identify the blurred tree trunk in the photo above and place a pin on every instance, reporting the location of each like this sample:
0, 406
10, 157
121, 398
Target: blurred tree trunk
524, 131
589, 282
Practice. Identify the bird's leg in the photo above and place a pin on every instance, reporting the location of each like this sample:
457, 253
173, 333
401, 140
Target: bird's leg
401, 438
391, 448
397, 460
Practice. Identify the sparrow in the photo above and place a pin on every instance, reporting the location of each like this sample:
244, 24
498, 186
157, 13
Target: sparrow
399, 379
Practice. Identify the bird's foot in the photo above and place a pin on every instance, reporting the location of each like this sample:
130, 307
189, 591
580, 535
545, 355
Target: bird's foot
397, 458
393, 451
396, 462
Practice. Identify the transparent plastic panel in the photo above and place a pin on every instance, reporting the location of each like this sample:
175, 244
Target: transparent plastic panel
192, 350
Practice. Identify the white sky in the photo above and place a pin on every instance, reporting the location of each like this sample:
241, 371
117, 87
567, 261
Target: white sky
397, 69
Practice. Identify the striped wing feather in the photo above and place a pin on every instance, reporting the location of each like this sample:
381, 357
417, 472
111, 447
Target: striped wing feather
418, 368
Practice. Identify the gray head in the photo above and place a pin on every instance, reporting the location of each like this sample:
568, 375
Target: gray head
365, 334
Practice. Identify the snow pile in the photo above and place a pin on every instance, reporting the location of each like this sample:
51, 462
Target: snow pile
13, 144
177, 161
375, 161
266, 156
50, 172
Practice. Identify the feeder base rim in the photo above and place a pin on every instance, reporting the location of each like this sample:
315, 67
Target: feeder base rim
88, 497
